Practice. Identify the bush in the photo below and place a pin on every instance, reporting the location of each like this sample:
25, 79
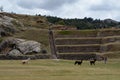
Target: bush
65, 32
1, 40
43, 51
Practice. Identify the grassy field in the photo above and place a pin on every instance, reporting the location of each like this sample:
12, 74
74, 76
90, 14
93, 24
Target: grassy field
59, 70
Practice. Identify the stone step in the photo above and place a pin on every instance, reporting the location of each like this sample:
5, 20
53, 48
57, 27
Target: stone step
77, 41
78, 48
86, 33
87, 40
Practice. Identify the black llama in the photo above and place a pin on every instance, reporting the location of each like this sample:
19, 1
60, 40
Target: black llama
78, 62
92, 62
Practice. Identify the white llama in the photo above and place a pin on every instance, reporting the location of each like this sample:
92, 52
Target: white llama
25, 61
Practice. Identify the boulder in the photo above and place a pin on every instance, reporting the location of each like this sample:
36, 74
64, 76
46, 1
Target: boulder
9, 26
28, 47
15, 52
19, 46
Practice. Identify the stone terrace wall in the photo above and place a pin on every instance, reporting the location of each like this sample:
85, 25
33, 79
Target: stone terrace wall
66, 49
87, 40
76, 56
77, 41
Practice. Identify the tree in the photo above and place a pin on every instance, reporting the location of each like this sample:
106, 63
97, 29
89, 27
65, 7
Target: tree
61, 22
1, 8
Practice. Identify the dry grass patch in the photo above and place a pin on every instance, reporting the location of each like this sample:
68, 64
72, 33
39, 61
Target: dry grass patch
59, 70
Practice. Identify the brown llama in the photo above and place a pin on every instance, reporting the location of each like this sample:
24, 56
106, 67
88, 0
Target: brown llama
78, 62
92, 62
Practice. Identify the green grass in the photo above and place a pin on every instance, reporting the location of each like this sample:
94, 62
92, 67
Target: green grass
39, 35
78, 32
29, 20
59, 70
34, 34
1, 39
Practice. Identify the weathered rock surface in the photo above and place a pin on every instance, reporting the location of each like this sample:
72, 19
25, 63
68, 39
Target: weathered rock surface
15, 52
15, 46
9, 25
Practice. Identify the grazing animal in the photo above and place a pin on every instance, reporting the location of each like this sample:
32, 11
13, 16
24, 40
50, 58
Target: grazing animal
105, 60
78, 62
25, 61
92, 62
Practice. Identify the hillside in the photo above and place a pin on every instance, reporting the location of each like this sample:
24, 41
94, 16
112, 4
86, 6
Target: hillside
85, 23
27, 27
71, 41
28, 20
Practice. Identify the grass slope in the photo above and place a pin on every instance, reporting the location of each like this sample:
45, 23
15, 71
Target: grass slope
39, 35
29, 20
59, 70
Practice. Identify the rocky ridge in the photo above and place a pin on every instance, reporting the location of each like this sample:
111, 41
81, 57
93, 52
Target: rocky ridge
15, 46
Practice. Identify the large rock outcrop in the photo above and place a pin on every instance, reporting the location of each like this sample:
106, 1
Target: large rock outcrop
15, 46
9, 25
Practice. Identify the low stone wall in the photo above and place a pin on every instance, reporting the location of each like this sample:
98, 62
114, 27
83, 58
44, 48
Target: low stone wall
110, 39
66, 49
113, 47
4, 57
111, 32
77, 41
77, 56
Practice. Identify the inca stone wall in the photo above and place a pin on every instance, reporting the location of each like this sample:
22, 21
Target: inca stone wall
87, 41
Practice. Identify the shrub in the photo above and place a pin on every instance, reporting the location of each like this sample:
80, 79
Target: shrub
43, 51
65, 32
1, 40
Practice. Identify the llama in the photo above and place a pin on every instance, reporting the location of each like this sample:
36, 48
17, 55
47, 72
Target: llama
105, 60
78, 62
92, 62
25, 61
